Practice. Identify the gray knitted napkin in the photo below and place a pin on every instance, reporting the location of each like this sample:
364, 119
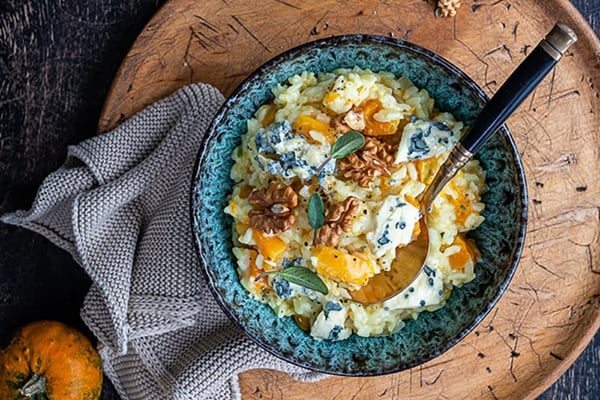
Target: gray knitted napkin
120, 206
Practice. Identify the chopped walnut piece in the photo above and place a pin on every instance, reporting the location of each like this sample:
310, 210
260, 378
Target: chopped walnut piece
339, 125
373, 159
337, 221
355, 120
273, 208
352, 120
447, 8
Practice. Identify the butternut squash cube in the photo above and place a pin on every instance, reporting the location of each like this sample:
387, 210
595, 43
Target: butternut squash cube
468, 253
271, 247
374, 127
335, 264
304, 124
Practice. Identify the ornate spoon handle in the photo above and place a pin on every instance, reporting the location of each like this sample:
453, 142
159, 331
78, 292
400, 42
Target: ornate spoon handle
512, 93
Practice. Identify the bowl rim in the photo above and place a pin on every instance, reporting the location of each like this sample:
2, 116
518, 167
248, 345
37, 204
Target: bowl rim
211, 133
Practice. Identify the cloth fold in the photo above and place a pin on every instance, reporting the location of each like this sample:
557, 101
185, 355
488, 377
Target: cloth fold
120, 206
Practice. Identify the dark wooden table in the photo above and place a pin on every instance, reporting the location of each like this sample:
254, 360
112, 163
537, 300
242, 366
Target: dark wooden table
57, 60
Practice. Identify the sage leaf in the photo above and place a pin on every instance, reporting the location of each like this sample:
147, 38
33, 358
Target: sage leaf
316, 211
347, 144
301, 276
304, 277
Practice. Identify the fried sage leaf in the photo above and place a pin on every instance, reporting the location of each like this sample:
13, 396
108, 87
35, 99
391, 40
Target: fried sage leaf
316, 211
300, 276
347, 144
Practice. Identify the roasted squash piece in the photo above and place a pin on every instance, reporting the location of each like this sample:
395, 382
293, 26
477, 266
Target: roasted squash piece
374, 127
335, 264
271, 247
304, 124
468, 253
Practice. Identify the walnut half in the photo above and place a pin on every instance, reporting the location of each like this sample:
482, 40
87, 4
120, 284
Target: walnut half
273, 208
373, 159
337, 221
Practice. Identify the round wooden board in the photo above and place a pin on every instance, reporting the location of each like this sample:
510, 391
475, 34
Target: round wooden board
551, 309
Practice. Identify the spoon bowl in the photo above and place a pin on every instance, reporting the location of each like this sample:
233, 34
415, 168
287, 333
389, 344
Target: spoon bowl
405, 267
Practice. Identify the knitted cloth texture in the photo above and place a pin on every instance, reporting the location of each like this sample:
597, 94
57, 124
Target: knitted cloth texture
120, 206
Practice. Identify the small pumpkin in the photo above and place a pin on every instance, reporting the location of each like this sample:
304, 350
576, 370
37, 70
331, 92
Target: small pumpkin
48, 360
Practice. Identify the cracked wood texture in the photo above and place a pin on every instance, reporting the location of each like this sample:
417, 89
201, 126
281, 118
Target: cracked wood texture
57, 61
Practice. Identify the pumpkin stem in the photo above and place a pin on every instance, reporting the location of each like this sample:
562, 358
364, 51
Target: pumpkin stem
36, 385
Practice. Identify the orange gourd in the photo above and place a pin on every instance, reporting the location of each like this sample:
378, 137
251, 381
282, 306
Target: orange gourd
52, 361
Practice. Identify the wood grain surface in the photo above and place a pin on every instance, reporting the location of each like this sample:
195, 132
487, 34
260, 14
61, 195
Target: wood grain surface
551, 309
58, 58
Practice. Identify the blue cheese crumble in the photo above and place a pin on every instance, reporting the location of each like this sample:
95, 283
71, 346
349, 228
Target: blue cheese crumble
424, 139
426, 290
282, 288
394, 225
330, 324
280, 152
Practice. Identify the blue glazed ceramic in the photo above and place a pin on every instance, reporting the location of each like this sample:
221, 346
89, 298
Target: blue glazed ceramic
500, 238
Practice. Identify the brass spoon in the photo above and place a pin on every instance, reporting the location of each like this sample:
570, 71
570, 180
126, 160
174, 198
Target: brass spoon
410, 259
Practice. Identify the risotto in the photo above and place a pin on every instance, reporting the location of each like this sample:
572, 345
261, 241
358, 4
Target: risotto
369, 200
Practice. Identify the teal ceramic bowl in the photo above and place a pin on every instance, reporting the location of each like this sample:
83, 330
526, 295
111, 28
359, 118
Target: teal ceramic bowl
500, 238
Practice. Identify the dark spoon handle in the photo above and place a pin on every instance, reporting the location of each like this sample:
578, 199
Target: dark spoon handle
512, 93
518, 86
